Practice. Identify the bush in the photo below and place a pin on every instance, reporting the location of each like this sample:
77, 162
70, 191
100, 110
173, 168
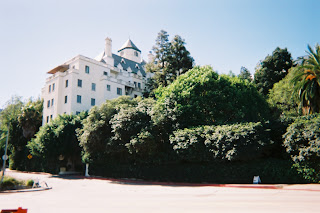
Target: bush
29, 183
302, 142
9, 183
237, 142
271, 171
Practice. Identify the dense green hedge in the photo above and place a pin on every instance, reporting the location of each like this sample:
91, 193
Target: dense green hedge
236, 142
302, 142
270, 170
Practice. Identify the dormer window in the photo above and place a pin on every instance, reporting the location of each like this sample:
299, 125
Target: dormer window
122, 61
137, 66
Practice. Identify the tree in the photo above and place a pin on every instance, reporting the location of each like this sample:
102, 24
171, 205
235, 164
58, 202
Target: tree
9, 119
96, 134
11, 111
282, 97
56, 144
179, 60
133, 126
171, 60
30, 118
272, 69
202, 97
245, 74
306, 81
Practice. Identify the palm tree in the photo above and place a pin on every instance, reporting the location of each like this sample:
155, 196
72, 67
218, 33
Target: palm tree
306, 81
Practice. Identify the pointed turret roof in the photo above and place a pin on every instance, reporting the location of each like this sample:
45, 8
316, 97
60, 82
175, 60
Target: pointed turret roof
129, 45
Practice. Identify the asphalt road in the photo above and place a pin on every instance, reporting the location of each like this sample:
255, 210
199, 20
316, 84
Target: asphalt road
91, 195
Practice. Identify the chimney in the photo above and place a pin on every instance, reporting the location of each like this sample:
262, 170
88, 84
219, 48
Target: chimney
108, 48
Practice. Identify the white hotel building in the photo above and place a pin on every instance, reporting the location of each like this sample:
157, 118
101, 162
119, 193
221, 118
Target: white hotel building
82, 82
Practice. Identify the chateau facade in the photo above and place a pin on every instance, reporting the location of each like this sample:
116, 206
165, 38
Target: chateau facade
82, 82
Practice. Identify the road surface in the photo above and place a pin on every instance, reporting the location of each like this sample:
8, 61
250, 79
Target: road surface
92, 195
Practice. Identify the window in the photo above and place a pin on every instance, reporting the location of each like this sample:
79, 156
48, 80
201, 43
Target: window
139, 85
135, 96
50, 117
47, 119
49, 88
105, 73
135, 84
48, 104
65, 99
108, 87
136, 53
93, 101
87, 69
52, 101
77, 113
53, 87
79, 99
79, 83
67, 83
93, 87
119, 91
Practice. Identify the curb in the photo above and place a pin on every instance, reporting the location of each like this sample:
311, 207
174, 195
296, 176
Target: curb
133, 181
26, 190
26, 172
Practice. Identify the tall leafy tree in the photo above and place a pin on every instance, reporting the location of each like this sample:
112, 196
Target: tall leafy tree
282, 97
30, 118
245, 74
180, 60
9, 119
56, 144
96, 135
306, 81
272, 69
202, 97
171, 60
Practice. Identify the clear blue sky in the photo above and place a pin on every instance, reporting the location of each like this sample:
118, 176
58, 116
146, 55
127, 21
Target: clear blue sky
37, 35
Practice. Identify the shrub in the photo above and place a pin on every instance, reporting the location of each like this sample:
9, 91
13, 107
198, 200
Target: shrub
9, 183
302, 142
29, 183
237, 142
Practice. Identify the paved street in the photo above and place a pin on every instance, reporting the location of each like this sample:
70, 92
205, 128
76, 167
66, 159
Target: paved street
85, 195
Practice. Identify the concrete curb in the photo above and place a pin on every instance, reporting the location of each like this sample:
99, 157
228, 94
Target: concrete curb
133, 181
26, 190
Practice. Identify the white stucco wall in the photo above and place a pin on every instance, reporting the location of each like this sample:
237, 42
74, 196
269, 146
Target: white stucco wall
114, 78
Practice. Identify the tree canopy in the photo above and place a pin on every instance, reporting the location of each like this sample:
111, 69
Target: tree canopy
171, 60
245, 74
306, 81
57, 141
272, 69
202, 97
282, 96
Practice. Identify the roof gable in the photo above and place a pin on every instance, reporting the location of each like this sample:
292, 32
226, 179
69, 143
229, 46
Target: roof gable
129, 45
